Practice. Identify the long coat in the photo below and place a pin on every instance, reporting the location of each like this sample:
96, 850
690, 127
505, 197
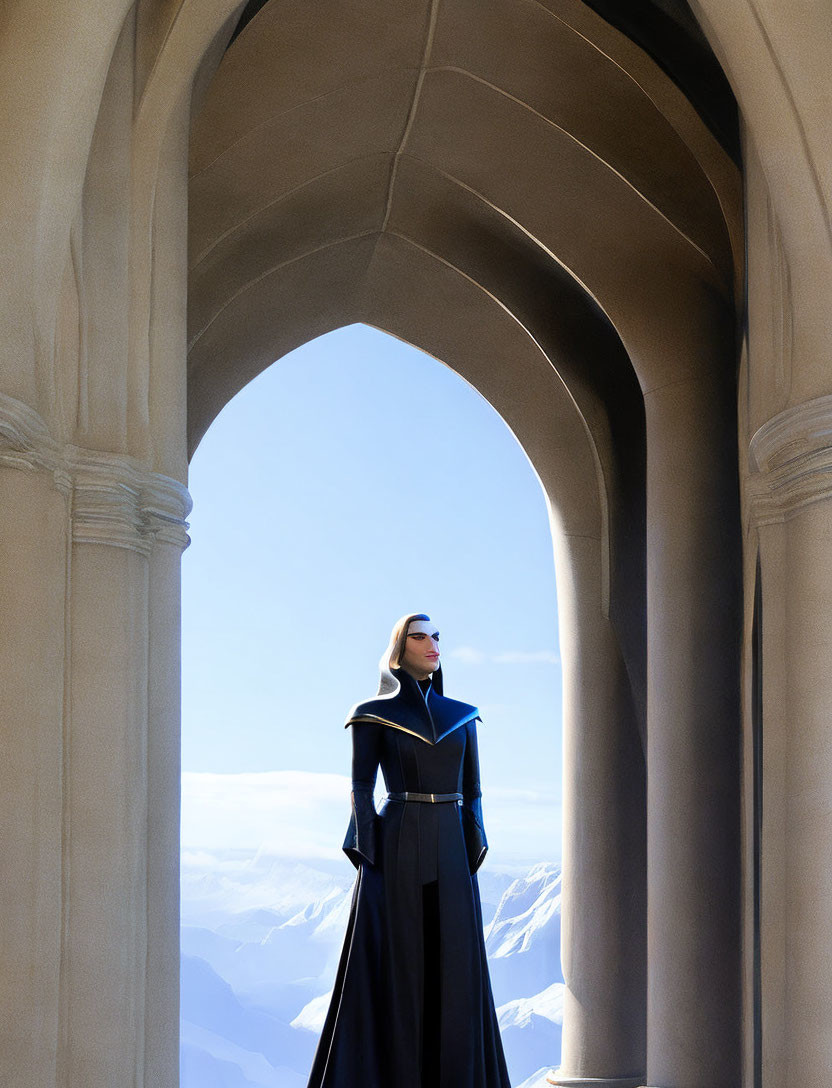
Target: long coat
412, 1005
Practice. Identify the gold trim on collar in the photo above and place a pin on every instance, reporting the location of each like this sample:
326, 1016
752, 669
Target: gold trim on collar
370, 718
384, 721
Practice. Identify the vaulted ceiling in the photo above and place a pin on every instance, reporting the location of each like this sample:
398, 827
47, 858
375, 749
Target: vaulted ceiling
487, 133
515, 186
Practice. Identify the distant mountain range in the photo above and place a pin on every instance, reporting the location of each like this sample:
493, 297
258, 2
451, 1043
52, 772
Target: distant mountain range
261, 937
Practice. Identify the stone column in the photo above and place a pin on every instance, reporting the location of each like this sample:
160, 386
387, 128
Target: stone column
693, 771
90, 769
603, 902
164, 758
33, 561
790, 504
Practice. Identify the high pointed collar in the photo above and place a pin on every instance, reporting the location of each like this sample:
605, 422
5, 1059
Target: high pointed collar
429, 717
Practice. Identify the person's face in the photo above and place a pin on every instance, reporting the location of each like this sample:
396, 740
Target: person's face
421, 649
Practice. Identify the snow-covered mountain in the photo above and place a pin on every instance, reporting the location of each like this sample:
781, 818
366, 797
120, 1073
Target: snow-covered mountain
212, 1061
523, 938
207, 1001
538, 1079
531, 1030
227, 888
492, 884
261, 937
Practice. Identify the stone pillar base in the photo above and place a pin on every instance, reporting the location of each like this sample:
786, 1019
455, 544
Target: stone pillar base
565, 1081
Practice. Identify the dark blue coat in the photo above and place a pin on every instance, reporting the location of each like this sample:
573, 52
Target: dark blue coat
412, 1004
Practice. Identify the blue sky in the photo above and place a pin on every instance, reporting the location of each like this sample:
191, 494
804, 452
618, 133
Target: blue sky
355, 480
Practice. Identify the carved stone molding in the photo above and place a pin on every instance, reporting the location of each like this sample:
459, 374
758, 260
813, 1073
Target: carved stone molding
113, 499
25, 440
790, 458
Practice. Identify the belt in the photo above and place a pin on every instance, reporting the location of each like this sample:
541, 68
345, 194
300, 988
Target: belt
433, 798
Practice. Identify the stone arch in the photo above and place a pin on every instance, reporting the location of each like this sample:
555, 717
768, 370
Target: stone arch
411, 293
590, 221
572, 133
395, 284
368, 176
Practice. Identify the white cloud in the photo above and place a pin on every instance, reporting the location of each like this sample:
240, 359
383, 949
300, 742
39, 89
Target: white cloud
467, 654
304, 815
522, 823
521, 657
471, 656
512, 795
300, 814
266, 789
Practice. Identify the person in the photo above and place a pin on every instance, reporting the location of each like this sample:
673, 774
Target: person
412, 1005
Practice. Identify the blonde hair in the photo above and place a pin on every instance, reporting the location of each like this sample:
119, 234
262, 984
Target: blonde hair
395, 650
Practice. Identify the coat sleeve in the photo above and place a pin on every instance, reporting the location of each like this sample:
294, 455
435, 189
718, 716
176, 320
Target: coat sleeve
476, 844
360, 842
